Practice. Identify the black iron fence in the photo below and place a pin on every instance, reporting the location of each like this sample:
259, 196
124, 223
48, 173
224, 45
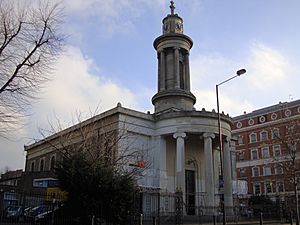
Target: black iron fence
149, 207
29, 208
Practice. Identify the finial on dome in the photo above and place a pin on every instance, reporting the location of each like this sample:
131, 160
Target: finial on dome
172, 7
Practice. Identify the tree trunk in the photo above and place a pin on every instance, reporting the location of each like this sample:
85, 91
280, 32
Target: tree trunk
297, 202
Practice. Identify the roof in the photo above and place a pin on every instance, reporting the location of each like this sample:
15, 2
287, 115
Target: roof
117, 110
268, 109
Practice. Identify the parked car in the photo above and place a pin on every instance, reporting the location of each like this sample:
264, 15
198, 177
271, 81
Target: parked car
14, 213
44, 214
49, 214
33, 214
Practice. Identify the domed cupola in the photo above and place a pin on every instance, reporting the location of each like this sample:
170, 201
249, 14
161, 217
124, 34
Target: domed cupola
173, 49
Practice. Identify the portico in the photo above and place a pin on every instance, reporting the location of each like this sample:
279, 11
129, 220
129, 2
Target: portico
189, 156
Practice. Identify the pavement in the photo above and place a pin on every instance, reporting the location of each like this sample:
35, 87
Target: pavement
256, 222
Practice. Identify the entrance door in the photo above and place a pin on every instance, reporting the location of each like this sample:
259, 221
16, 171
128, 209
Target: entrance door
190, 191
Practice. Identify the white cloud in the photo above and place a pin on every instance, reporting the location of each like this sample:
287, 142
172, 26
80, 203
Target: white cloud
268, 66
229, 105
111, 16
268, 75
112, 8
75, 88
12, 154
210, 69
206, 72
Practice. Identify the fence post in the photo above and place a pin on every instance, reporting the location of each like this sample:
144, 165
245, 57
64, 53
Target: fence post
52, 213
93, 220
153, 220
214, 219
178, 207
141, 219
261, 218
158, 209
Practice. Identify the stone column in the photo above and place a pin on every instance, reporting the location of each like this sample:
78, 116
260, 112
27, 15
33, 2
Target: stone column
158, 71
162, 71
233, 159
180, 161
163, 163
216, 161
209, 171
159, 165
176, 67
228, 199
187, 71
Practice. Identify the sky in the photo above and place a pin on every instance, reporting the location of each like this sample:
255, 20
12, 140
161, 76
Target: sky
109, 58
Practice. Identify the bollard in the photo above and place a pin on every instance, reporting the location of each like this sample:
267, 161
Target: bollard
141, 219
93, 220
261, 218
291, 217
153, 220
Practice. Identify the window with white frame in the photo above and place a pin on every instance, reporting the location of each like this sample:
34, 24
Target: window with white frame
278, 169
241, 155
242, 172
267, 171
265, 152
256, 189
240, 140
275, 133
264, 135
268, 187
279, 186
253, 138
276, 150
255, 171
254, 154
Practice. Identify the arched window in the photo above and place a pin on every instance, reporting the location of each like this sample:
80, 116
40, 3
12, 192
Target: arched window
265, 152
276, 150
256, 189
268, 187
263, 135
254, 154
255, 171
253, 138
275, 133
52, 162
181, 75
280, 186
32, 167
267, 171
42, 165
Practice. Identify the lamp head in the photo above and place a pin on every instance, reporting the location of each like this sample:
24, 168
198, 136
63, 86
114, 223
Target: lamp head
240, 72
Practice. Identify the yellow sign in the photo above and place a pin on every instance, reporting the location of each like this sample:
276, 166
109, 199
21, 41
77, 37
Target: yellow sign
56, 194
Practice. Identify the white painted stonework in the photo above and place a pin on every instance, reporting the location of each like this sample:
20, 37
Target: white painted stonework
179, 144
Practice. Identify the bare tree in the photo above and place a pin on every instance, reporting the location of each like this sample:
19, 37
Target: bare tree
101, 141
97, 164
289, 162
30, 41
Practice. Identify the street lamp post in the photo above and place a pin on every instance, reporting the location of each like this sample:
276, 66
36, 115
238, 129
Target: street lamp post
238, 73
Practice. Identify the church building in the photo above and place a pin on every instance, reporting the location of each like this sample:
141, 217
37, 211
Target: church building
180, 143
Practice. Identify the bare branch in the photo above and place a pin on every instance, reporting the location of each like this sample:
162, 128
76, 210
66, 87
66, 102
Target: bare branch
30, 42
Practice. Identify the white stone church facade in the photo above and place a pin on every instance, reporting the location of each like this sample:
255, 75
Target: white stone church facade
181, 142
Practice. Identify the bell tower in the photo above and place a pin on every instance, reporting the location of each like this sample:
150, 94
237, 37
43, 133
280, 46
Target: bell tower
173, 49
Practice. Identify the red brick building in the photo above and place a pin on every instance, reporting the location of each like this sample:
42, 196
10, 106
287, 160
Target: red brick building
261, 149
